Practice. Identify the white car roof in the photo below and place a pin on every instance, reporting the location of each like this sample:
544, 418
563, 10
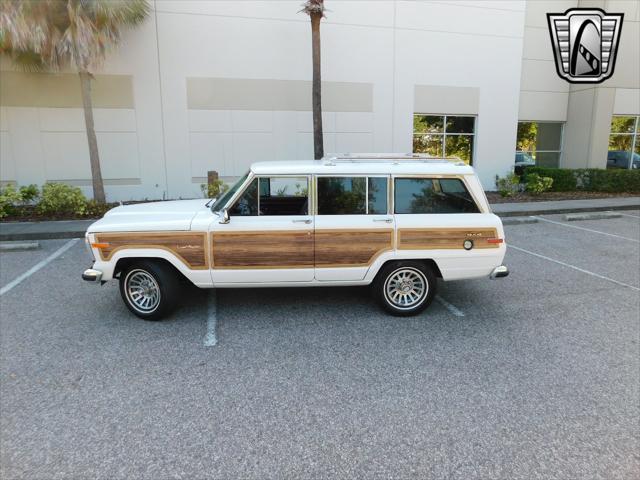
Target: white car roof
376, 166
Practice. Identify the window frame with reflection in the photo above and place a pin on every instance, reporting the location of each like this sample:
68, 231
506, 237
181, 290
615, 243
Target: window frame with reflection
439, 134
254, 201
438, 200
334, 205
532, 141
624, 142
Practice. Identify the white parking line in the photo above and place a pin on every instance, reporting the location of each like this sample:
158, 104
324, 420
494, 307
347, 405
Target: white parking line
597, 275
452, 308
211, 339
587, 229
9, 286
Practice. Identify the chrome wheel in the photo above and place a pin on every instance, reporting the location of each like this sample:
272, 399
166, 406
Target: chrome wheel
406, 288
142, 291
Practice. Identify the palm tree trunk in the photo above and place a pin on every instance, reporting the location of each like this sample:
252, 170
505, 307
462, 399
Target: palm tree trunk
94, 158
316, 96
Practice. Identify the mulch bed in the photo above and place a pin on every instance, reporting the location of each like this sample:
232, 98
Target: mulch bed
494, 197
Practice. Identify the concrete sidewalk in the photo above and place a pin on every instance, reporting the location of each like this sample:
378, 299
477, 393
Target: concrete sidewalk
76, 228
565, 206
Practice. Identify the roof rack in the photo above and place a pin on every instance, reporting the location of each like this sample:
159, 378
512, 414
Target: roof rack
395, 157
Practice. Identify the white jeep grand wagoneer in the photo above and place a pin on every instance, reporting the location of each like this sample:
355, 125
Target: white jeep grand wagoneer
397, 222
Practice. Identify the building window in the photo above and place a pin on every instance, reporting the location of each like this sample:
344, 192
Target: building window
624, 142
539, 143
444, 136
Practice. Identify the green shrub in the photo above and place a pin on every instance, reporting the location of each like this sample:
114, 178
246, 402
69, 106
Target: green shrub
564, 179
214, 189
97, 209
509, 185
58, 198
537, 184
589, 179
29, 193
9, 198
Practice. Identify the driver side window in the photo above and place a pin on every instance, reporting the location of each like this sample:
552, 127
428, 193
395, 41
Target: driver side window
273, 196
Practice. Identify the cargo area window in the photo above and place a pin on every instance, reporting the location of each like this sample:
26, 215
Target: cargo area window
352, 195
432, 195
273, 196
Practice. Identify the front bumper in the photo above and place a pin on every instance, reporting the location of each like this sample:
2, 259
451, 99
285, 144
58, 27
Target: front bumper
499, 272
92, 275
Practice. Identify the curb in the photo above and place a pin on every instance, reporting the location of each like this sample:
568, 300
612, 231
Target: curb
519, 220
525, 213
12, 237
18, 246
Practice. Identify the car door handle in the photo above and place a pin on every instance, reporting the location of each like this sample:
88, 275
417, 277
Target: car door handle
307, 221
385, 220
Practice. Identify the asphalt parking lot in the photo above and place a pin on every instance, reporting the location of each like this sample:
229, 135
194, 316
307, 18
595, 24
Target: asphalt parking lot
533, 376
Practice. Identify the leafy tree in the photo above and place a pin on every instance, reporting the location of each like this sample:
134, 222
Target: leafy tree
315, 10
52, 34
527, 135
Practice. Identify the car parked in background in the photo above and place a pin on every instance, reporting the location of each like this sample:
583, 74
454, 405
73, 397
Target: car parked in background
622, 159
523, 160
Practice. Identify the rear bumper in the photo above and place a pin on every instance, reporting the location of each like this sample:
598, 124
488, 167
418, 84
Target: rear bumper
499, 272
92, 275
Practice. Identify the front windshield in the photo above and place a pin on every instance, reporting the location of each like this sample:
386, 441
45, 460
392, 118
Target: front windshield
224, 198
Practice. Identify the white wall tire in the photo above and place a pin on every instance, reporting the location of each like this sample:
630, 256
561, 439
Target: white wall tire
405, 288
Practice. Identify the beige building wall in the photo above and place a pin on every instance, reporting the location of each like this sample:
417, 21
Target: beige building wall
218, 85
586, 110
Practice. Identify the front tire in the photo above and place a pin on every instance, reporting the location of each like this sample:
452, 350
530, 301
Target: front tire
405, 288
149, 289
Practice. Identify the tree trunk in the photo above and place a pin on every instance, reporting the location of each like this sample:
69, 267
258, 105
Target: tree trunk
316, 95
94, 158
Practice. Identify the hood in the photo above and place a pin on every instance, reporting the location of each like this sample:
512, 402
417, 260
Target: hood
174, 215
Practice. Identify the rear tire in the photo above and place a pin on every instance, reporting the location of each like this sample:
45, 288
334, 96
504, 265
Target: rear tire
405, 288
149, 289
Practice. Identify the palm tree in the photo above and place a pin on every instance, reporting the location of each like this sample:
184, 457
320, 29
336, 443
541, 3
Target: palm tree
52, 34
315, 10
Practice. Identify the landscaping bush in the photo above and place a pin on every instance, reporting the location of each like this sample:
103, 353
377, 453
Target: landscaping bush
29, 193
9, 198
537, 184
97, 209
214, 189
509, 185
59, 199
589, 179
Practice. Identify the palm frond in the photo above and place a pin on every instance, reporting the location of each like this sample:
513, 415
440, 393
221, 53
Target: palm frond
60, 32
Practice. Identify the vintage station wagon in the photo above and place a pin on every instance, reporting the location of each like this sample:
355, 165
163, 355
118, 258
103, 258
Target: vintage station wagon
396, 222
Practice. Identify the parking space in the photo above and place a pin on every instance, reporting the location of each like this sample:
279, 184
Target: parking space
531, 376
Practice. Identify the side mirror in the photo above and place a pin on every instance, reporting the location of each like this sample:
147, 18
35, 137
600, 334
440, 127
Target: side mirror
224, 216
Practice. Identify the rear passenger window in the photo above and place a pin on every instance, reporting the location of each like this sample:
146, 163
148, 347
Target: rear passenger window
433, 195
341, 195
352, 195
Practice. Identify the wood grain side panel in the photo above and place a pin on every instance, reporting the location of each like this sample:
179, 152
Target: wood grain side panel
444, 238
350, 248
282, 249
189, 247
